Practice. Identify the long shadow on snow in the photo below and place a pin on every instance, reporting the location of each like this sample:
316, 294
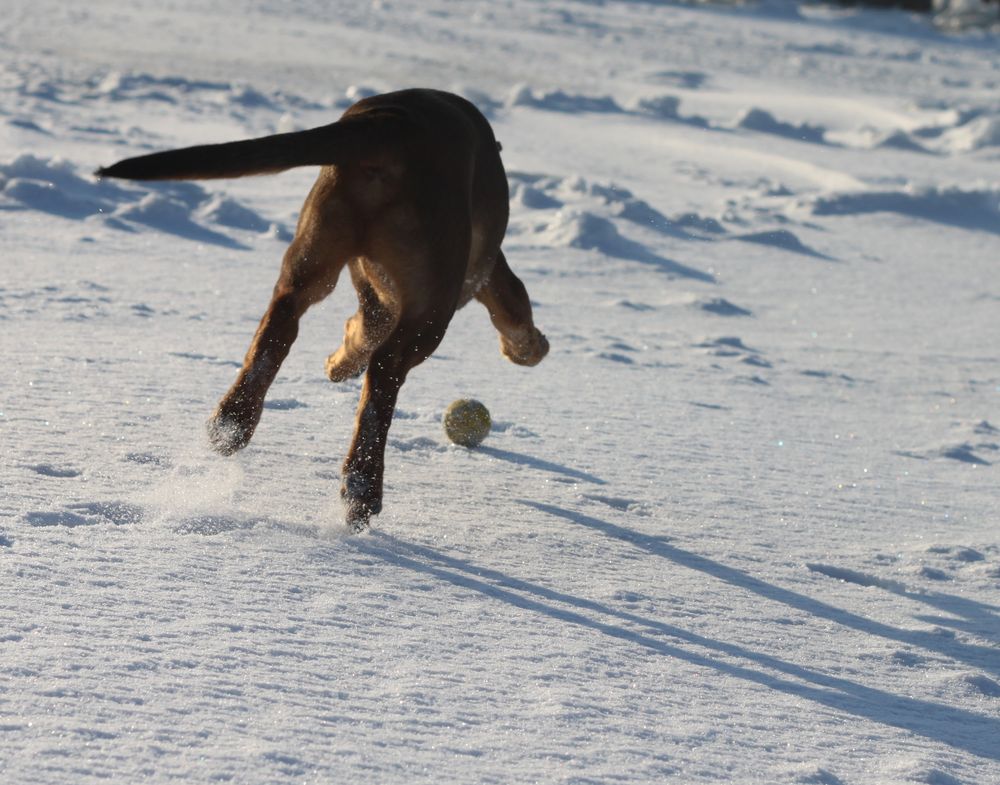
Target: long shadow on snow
632, 251
783, 240
538, 463
592, 232
956, 727
977, 618
985, 657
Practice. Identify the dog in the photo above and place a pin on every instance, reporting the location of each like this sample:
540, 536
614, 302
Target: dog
412, 199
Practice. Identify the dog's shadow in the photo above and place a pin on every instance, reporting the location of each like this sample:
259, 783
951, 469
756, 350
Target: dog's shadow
521, 459
956, 727
984, 657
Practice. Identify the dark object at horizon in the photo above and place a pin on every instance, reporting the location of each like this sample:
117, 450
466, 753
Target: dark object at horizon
919, 6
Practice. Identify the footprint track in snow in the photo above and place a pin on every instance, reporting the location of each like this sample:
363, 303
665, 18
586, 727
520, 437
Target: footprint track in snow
60, 472
620, 503
87, 514
719, 306
980, 446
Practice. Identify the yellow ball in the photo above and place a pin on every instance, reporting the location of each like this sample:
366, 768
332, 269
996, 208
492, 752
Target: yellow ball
466, 422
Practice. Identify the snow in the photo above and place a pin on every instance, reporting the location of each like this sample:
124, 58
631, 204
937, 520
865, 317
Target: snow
741, 525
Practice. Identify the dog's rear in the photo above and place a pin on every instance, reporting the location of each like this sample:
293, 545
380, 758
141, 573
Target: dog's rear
412, 199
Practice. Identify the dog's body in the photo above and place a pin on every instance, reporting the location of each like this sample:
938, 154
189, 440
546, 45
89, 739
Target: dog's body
412, 199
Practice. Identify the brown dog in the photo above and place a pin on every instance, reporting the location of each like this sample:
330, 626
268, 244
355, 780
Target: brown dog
412, 198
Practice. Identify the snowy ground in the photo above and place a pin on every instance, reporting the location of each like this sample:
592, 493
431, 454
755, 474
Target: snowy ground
741, 525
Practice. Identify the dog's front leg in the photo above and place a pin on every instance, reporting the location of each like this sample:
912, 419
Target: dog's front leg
507, 301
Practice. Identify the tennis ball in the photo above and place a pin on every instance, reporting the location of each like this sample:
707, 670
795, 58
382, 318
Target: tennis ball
466, 422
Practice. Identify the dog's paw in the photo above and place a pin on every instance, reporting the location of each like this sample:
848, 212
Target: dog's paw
226, 434
358, 513
529, 351
358, 517
339, 368
361, 501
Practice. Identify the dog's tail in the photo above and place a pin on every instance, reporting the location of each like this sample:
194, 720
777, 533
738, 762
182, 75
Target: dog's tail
346, 140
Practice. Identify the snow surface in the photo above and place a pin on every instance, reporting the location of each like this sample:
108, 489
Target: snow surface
740, 526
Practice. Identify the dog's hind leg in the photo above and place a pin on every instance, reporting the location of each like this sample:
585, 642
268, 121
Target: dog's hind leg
308, 274
506, 299
413, 339
364, 332
411, 342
